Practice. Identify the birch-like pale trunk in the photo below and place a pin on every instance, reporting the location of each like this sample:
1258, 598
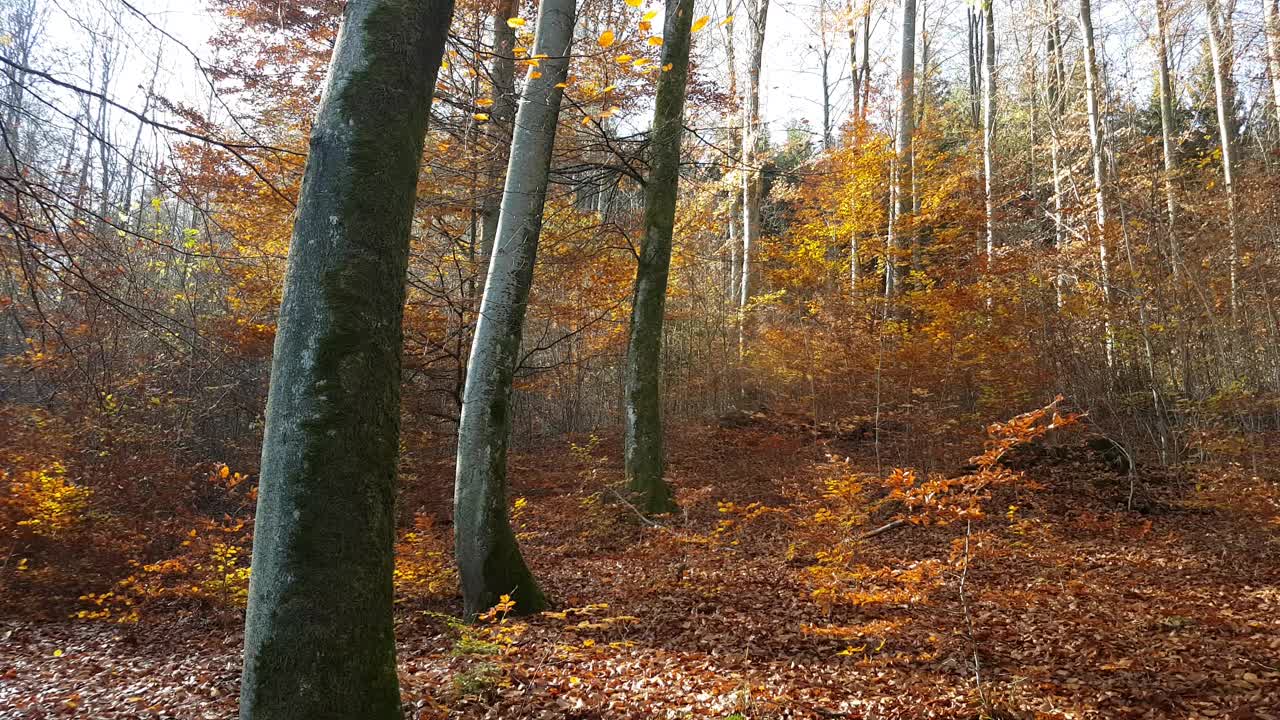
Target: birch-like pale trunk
989, 124
1221, 54
1271, 25
489, 561
319, 636
1098, 155
644, 461
1053, 85
902, 145
758, 11
1166, 134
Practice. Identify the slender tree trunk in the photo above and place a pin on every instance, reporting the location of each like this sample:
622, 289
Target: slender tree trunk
1224, 88
1166, 134
902, 145
318, 633
750, 173
1097, 152
501, 114
489, 560
1271, 9
854, 69
989, 124
1053, 84
643, 447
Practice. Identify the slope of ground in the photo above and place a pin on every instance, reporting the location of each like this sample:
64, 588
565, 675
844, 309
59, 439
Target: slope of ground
1062, 603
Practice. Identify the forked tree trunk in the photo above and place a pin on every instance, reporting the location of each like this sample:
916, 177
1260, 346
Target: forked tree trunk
489, 560
318, 634
643, 448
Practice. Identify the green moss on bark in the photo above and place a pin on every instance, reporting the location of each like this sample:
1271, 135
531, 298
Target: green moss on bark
319, 633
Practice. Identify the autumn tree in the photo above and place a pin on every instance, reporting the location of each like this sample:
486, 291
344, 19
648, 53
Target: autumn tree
318, 635
489, 560
643, 446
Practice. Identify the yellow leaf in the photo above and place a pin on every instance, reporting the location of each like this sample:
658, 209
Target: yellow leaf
728, 19
586, 120
606, 38
481, 117
655, 41
224, 472
649, 16
484, 102
561, 86
645, 26
700, 23
641, 62
623, 59
666, 67
515, 22
635, 3
535, 75
57, 653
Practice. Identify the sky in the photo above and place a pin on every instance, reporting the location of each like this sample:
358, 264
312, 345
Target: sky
791, 82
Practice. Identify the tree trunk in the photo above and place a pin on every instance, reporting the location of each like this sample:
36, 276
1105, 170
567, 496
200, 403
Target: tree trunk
1053, 84
1166, 133
318, 634
1271, 10
989, 124
759, 14
501, 114
489, 560
643, 447
1224, 88
1099, 171
902, 146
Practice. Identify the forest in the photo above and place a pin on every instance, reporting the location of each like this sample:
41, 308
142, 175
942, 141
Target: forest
727, 359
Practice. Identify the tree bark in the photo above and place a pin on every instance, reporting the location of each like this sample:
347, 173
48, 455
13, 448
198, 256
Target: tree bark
759, 15
989, 124
902, 146
643, 447
1166, 133
502, 113
318, 633
1224, 89
1271, 9
1097, 152
489, 560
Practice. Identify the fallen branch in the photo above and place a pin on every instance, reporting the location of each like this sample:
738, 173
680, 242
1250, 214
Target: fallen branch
882, 529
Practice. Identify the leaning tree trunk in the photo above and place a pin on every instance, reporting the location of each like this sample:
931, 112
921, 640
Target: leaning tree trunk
750, 174
489, 560
642, 448
989, 124
1224, 89
1097, 151
902, 147
1053, 84
318, 634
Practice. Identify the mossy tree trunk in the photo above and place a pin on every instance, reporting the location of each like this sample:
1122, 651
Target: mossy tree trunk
318, 634
642, 448
489, 560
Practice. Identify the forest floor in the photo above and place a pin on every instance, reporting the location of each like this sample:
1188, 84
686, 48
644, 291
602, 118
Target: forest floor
1072, 605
